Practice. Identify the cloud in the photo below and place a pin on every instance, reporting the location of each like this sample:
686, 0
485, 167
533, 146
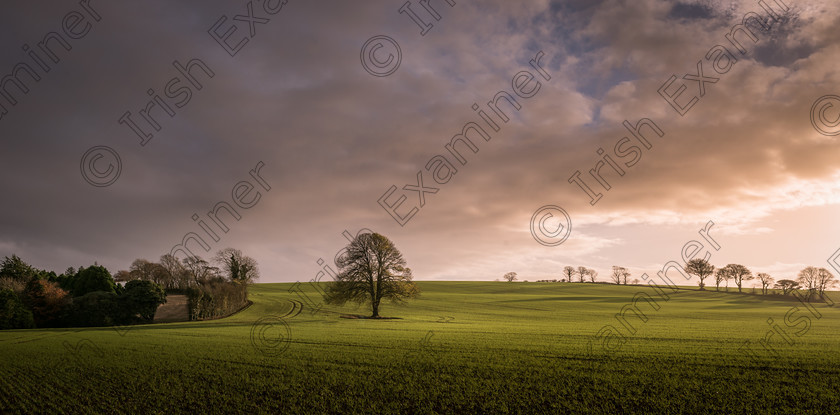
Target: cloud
334, 139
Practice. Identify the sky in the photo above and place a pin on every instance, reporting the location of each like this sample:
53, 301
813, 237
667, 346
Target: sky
125, 124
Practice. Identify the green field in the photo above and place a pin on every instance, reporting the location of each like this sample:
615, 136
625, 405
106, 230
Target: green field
462, 347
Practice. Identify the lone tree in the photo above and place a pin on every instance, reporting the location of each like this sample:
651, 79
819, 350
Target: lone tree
701, 268
510, 277
371, 269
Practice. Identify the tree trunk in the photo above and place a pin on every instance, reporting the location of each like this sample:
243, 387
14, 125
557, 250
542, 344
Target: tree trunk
375, 306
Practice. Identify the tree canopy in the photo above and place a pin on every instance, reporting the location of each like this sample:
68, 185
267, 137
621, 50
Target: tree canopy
700, 268
372, 269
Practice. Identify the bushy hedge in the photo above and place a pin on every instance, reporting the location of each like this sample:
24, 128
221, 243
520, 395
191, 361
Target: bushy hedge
216, 299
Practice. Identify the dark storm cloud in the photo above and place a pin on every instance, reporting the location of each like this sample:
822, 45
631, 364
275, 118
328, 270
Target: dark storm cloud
333, 138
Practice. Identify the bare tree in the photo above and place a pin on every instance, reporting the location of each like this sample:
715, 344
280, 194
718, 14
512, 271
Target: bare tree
592, 275
582, 273
808, 278
569, 273
510, 277
372, 269
620, 275
700, 268
142, 269
765, 280
177, 274
617, 272
236, 266
199, 270
825, 279
123, 276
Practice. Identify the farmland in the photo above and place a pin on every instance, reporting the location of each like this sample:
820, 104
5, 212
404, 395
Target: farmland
486, 347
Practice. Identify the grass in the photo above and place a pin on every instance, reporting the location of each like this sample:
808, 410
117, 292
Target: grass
462, 347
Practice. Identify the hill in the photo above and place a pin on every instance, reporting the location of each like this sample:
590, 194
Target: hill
489, 347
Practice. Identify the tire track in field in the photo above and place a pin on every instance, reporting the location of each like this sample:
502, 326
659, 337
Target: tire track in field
296, 309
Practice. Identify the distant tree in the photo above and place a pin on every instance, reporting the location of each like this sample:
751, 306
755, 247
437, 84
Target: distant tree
635, 281
825, 279
14, 268
372, 269
142, 269
123, 276
569, 273
177, 274
765, 280
143, 298
592, 275
510, 277
13, 314
199, 270
807, 279
700, 268
93, 278
618, 274
787, 286
720, 276
236, 266
47, 301
582, 272
739, 274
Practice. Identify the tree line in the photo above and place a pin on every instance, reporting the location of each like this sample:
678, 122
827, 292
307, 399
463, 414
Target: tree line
812, 280
92, 296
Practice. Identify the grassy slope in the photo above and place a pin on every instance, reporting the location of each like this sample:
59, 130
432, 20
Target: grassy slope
460, 347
